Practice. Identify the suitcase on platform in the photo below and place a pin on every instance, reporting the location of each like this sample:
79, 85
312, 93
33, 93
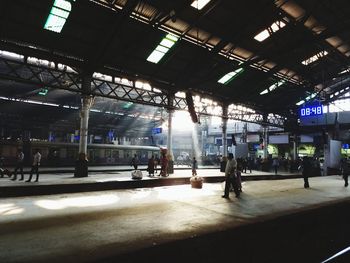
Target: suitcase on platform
136, 174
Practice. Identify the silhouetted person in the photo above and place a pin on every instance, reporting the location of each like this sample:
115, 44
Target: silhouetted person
164, 165
19, 165
150, 166
35, 166
156, 162
345, 166
194, 166
275, 165
230, 178
135, 162
306, 163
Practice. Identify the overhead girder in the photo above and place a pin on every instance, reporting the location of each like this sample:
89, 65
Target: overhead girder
115, 88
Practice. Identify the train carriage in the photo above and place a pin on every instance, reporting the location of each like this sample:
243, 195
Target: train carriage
65, 154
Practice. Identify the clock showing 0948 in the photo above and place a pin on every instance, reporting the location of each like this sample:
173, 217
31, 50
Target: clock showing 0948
311, 111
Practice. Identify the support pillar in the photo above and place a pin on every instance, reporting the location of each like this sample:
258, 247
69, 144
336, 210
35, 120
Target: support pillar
224, 131
81, 167
170, 155
265, 144
224, 138
86, 103
170, 133
295, 147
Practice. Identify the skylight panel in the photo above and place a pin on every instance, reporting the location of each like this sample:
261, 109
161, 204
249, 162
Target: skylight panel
262, 35
59, 12
314, 58
63, 4
167, 43
311, 96
58, 15
155, 56
199, 4
164, 46
264, 92
273, 87
267, 32
229, 76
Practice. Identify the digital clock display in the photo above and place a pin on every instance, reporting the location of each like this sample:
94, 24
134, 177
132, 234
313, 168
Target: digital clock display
311, 110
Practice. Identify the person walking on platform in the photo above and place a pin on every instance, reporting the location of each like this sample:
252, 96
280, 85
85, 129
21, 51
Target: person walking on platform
35, 166
345, 167
164, 165
194, 166
150, 166
19, 165
135, 162
306, 171
275, 164
230, 178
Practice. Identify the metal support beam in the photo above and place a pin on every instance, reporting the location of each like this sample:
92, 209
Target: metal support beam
115, 87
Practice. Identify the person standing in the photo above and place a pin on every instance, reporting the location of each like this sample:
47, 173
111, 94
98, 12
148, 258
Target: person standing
306, 171
19, 165
164, 165
275, 164
194, 166
345, 166
135, 162
35, 166
150, 166
156, 162
230, 178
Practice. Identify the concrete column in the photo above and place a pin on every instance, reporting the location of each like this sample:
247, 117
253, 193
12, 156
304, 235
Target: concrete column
266, 136
170, 133
86, 103
170, 111
295, 147
224, 131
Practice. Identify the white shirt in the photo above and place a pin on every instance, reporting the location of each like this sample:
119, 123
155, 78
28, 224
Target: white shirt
37, 159
230, 166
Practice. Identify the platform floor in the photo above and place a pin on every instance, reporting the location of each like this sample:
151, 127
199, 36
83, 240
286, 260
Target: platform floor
53, 182
114, 226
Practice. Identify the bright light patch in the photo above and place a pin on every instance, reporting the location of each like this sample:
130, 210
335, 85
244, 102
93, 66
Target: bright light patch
262, 35
230, 76
314, 58
273, 87
199, 4
264, 92
182, 121
84, 201
164, 46
10, 209
311, 96
268, 32
58, 15
155, 56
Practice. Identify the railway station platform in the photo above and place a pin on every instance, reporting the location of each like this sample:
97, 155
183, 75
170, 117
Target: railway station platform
61, 180
272, 221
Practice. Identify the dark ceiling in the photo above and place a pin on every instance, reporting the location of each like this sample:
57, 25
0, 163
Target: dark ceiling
121, 34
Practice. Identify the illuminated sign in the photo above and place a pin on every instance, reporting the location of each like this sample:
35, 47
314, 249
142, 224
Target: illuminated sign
311, 110
156, 130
